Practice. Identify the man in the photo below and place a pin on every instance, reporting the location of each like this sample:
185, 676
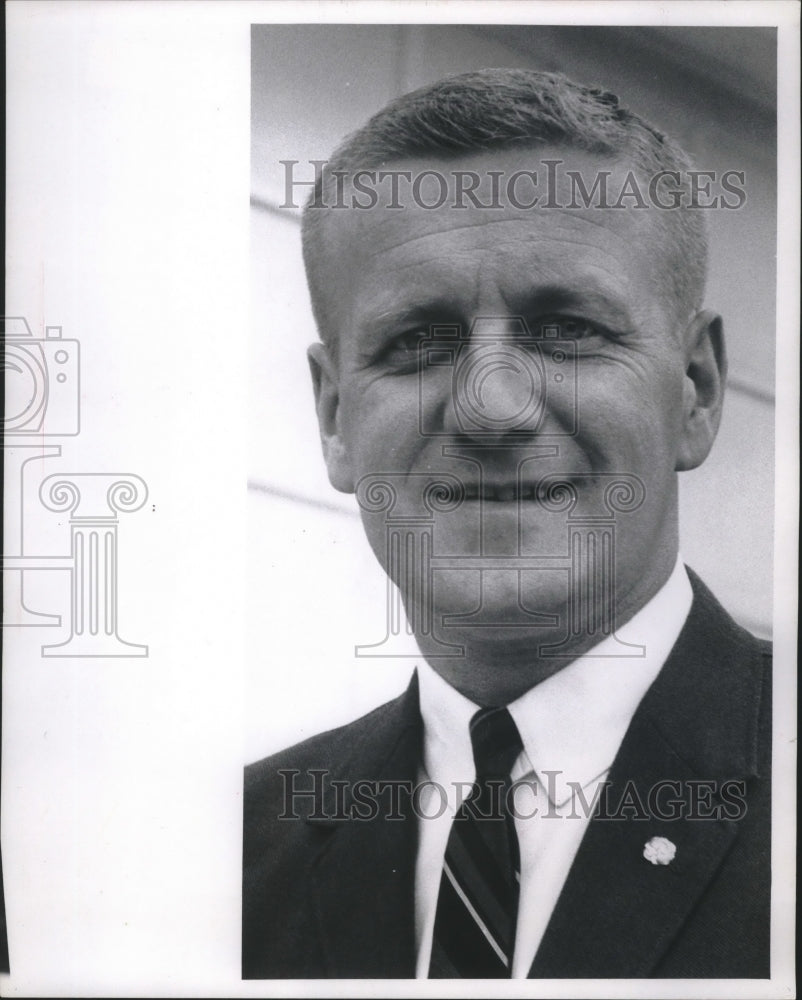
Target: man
515, 364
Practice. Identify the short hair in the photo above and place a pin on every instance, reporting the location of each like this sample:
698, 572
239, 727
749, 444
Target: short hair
505, 109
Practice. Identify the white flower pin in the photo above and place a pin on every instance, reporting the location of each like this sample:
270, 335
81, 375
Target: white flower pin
659, 850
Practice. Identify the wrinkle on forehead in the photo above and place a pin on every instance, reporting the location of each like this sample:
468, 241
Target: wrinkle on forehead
383, 231
513, 266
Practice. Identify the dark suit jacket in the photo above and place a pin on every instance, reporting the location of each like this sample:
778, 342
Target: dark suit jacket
327, 896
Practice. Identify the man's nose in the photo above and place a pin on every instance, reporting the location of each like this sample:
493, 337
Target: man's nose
497, 384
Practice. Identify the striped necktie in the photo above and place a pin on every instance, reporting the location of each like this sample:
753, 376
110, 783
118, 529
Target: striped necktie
477, 906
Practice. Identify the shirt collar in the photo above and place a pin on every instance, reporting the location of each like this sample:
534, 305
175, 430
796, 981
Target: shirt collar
446, 714
573, 722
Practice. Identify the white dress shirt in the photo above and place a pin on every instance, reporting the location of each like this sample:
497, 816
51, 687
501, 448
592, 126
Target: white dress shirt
572, 725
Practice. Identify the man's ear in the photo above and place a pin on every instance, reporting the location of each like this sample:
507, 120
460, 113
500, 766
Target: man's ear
326, 383
703, 388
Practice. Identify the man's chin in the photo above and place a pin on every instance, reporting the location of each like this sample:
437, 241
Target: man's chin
501, 597
495, 617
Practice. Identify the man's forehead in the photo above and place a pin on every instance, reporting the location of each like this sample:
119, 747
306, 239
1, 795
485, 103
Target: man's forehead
478, 195
486, 232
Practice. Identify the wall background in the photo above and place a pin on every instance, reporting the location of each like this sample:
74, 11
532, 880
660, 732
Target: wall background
314, 587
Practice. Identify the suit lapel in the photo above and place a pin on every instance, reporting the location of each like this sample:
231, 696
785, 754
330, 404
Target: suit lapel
618, 913
363, 877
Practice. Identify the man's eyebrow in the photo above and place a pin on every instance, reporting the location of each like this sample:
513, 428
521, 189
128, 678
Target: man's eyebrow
392, 318
588, 301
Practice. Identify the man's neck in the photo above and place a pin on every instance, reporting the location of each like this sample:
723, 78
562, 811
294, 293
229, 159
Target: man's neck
496, 674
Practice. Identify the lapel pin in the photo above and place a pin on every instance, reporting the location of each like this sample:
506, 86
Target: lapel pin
659, 850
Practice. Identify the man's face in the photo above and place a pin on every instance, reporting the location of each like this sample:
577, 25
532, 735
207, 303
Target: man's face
501, 417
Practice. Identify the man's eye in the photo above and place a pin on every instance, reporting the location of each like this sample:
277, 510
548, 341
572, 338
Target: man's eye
404, 350
571, 327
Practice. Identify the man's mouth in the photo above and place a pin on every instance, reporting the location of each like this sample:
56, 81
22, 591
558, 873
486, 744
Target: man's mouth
504, 491
500, 492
